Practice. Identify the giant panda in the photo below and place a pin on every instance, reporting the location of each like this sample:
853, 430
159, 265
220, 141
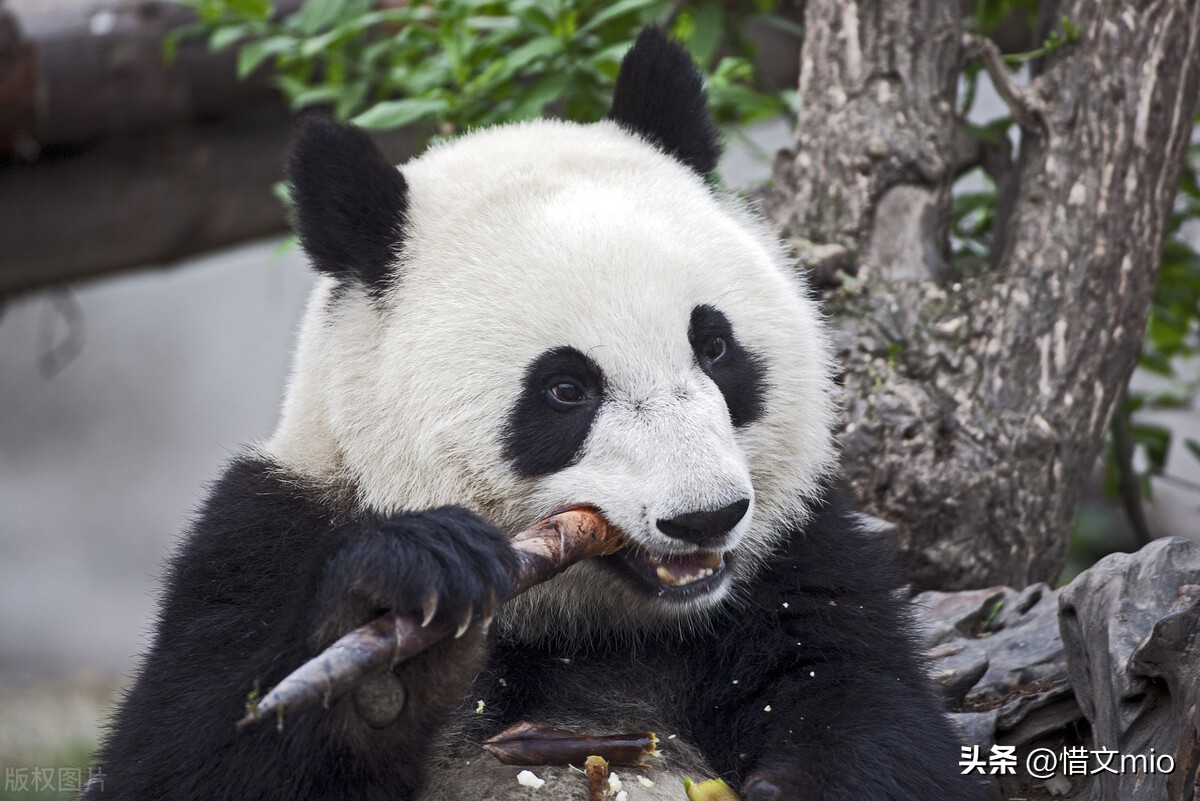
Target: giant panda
529, 317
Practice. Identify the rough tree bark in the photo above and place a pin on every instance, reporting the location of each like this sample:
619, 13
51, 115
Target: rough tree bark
977, 402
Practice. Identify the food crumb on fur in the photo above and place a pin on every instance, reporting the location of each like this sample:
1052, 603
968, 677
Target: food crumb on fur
614, 783
527, 778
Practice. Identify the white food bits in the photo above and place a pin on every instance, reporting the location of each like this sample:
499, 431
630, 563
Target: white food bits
614, 783
622, 796
527, 778
767, 708
479, 707
642, 780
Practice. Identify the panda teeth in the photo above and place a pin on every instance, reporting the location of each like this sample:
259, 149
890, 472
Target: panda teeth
675, 580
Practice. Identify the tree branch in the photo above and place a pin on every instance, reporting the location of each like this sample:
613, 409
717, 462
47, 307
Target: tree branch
1028, 111
977, 403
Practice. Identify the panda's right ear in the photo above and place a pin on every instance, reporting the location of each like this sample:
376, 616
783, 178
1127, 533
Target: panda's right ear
348, 203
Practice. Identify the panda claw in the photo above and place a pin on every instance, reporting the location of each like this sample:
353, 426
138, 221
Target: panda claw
464, 624
489, 609
429, 608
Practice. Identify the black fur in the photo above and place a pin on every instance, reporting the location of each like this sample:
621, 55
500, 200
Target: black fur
660, 96
852, 716
269, 575
273, 571
260, 586
349, 204
540, 437
739, 374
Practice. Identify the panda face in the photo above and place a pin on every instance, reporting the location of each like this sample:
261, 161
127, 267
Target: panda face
576, 318
565, 315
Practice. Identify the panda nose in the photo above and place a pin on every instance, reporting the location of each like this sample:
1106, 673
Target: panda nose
701, 527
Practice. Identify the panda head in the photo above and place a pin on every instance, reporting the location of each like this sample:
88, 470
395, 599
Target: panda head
548, 314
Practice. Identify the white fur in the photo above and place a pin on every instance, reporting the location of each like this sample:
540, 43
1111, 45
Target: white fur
543, 234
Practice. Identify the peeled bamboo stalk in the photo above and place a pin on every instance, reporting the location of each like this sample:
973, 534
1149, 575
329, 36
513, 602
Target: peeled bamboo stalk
544, 550
533, 744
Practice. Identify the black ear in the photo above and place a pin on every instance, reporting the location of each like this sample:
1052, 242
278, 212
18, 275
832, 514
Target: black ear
660, 96
348, 202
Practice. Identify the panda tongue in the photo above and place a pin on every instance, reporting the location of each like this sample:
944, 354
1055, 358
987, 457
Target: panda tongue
675, 570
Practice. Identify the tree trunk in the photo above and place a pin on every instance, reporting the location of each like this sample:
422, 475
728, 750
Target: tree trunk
977, 401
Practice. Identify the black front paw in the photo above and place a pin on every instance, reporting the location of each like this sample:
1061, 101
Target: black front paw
779, 783
446, 565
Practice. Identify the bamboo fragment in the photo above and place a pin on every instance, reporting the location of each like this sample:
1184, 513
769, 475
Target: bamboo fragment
711, 790
595, 768
533, 744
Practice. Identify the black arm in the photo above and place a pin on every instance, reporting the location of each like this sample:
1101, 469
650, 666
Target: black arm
266, 578
813, 688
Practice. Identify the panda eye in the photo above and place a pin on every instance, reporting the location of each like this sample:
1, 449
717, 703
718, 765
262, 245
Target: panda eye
714, 351
566, 394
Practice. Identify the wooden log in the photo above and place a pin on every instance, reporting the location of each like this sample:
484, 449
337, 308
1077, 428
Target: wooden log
111, 159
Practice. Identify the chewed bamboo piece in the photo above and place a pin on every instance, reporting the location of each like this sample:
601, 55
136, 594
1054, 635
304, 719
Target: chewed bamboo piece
711, 790
544, 550
533, 744
595, 768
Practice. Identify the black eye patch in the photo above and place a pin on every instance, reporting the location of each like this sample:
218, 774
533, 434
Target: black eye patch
560, 395
737, 372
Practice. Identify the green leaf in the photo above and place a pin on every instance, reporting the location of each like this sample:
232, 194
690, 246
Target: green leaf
225, 35
1070, 30
526, 54
315, 96
350, 99
317, 45
253, 54
317, 14
542, 92
708, 27
612, 54
612, 12
256, 9
535, 16
397, 113
1193, 447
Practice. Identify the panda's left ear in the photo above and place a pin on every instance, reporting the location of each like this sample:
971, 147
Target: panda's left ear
660, 96
348, 203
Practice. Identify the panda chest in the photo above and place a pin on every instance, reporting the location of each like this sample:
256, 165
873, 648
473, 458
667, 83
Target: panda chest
594, 695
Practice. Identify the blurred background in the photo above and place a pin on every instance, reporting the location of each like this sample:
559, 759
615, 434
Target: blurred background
149, 296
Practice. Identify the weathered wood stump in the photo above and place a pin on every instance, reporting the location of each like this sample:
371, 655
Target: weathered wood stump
1111, 662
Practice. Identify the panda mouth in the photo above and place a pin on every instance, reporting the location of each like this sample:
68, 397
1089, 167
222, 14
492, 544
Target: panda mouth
675, 576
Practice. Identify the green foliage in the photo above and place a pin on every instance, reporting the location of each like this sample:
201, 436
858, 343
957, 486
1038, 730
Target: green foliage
1066, 33
450, 65
987, 15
